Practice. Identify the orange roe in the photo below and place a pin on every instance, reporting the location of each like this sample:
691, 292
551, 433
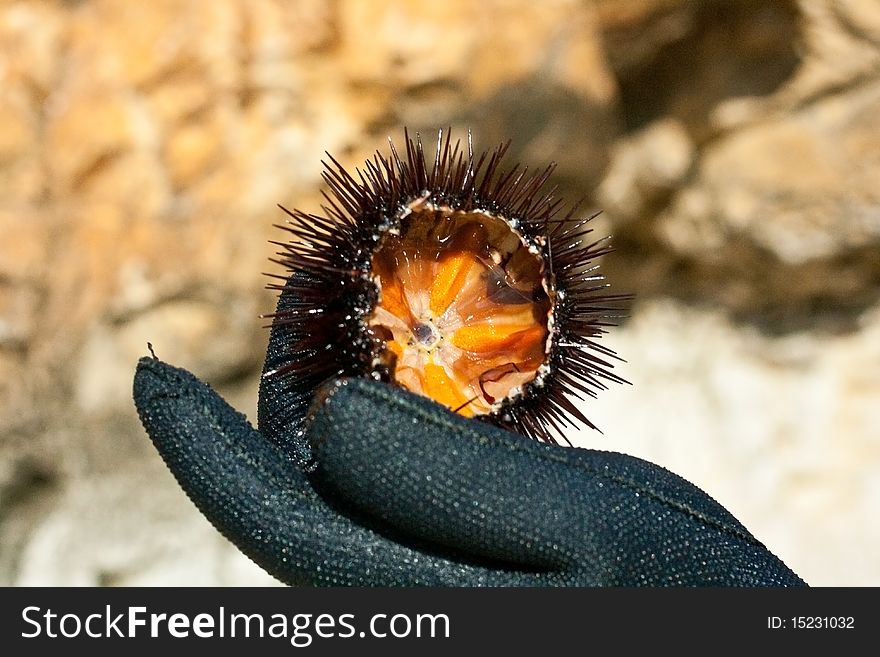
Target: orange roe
464, 308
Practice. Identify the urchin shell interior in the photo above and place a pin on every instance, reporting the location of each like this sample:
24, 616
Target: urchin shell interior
464, 307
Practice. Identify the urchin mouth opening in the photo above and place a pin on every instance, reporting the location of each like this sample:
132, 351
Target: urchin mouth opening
426, 335
464, 313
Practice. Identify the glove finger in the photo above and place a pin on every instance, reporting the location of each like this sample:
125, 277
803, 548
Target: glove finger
438, 476
609, 518
284, 400
258, 498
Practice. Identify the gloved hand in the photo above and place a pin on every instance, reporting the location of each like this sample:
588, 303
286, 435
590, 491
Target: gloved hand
382, 487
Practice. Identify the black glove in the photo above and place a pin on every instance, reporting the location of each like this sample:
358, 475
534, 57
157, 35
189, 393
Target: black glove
382, 487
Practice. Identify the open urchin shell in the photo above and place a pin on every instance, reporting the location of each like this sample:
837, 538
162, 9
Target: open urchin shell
454, 278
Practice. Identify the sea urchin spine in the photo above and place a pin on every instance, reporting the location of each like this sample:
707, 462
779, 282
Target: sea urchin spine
454, 279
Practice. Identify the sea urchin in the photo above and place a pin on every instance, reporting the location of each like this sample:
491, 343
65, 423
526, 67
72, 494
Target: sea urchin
454, 279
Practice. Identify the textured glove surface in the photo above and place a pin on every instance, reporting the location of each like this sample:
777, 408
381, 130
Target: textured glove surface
385, 488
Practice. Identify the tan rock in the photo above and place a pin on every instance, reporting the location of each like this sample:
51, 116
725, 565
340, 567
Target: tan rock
202, 337
18, 315
25, 247
191, 150
87, 129
21, 171
181, 99
31, 36
798, 187
142, 543
486, 46
136, 44
834, 55
860, 15
17, 130
644, 169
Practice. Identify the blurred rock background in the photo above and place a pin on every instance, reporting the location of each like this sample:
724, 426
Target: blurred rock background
734, 147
